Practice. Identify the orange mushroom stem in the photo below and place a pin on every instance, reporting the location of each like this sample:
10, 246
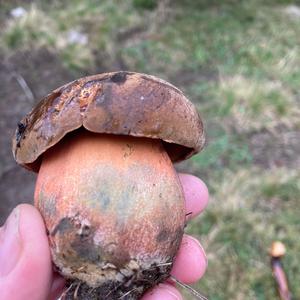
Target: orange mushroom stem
106, 201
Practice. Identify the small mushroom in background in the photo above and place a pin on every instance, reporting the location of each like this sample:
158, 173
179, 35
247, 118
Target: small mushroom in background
103, 147
277, 251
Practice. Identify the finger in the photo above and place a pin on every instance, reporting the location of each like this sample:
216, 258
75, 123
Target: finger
195, 193
25, 264
163, 291
190, 262
57, 287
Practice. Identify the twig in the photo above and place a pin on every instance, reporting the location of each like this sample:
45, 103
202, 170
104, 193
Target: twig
76, 291
21, 81
190, 289
23, 84
129, 292
65, 292
164, 264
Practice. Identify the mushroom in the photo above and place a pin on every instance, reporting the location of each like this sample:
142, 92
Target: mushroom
103, 147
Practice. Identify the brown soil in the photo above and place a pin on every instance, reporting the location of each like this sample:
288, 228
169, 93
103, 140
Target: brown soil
42, 71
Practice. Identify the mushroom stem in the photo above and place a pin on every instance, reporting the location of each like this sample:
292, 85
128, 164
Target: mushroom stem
107, 202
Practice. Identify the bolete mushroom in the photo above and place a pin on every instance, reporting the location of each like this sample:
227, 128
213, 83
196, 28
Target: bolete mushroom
103, 147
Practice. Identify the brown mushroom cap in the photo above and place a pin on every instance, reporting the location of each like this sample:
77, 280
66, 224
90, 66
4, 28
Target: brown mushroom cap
121, 103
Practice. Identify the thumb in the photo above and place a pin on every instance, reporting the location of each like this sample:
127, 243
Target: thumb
25, 264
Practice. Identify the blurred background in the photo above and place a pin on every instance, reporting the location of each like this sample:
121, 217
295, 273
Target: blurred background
238, 61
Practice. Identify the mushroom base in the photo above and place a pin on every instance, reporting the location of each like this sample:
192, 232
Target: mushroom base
130, 288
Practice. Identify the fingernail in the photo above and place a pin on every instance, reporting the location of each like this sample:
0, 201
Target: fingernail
200, 246
163, 291
10, 243
170, 295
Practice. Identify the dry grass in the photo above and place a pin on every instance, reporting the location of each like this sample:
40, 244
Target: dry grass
249, 211
256, 105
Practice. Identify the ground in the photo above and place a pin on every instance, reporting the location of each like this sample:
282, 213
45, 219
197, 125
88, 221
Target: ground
238, 61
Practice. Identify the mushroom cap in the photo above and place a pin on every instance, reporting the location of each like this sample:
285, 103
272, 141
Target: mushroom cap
120, 103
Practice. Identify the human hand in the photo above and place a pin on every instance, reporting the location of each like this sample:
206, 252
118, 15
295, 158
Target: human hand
25, 261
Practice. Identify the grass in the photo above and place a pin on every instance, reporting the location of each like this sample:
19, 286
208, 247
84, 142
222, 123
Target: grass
239, 62
249, 209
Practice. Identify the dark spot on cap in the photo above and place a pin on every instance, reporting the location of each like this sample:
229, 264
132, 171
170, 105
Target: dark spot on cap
20, 133
119, 77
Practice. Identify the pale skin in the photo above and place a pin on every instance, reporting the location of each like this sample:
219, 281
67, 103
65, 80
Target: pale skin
25, 262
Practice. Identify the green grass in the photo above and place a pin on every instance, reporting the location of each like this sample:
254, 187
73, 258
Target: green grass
239, 62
